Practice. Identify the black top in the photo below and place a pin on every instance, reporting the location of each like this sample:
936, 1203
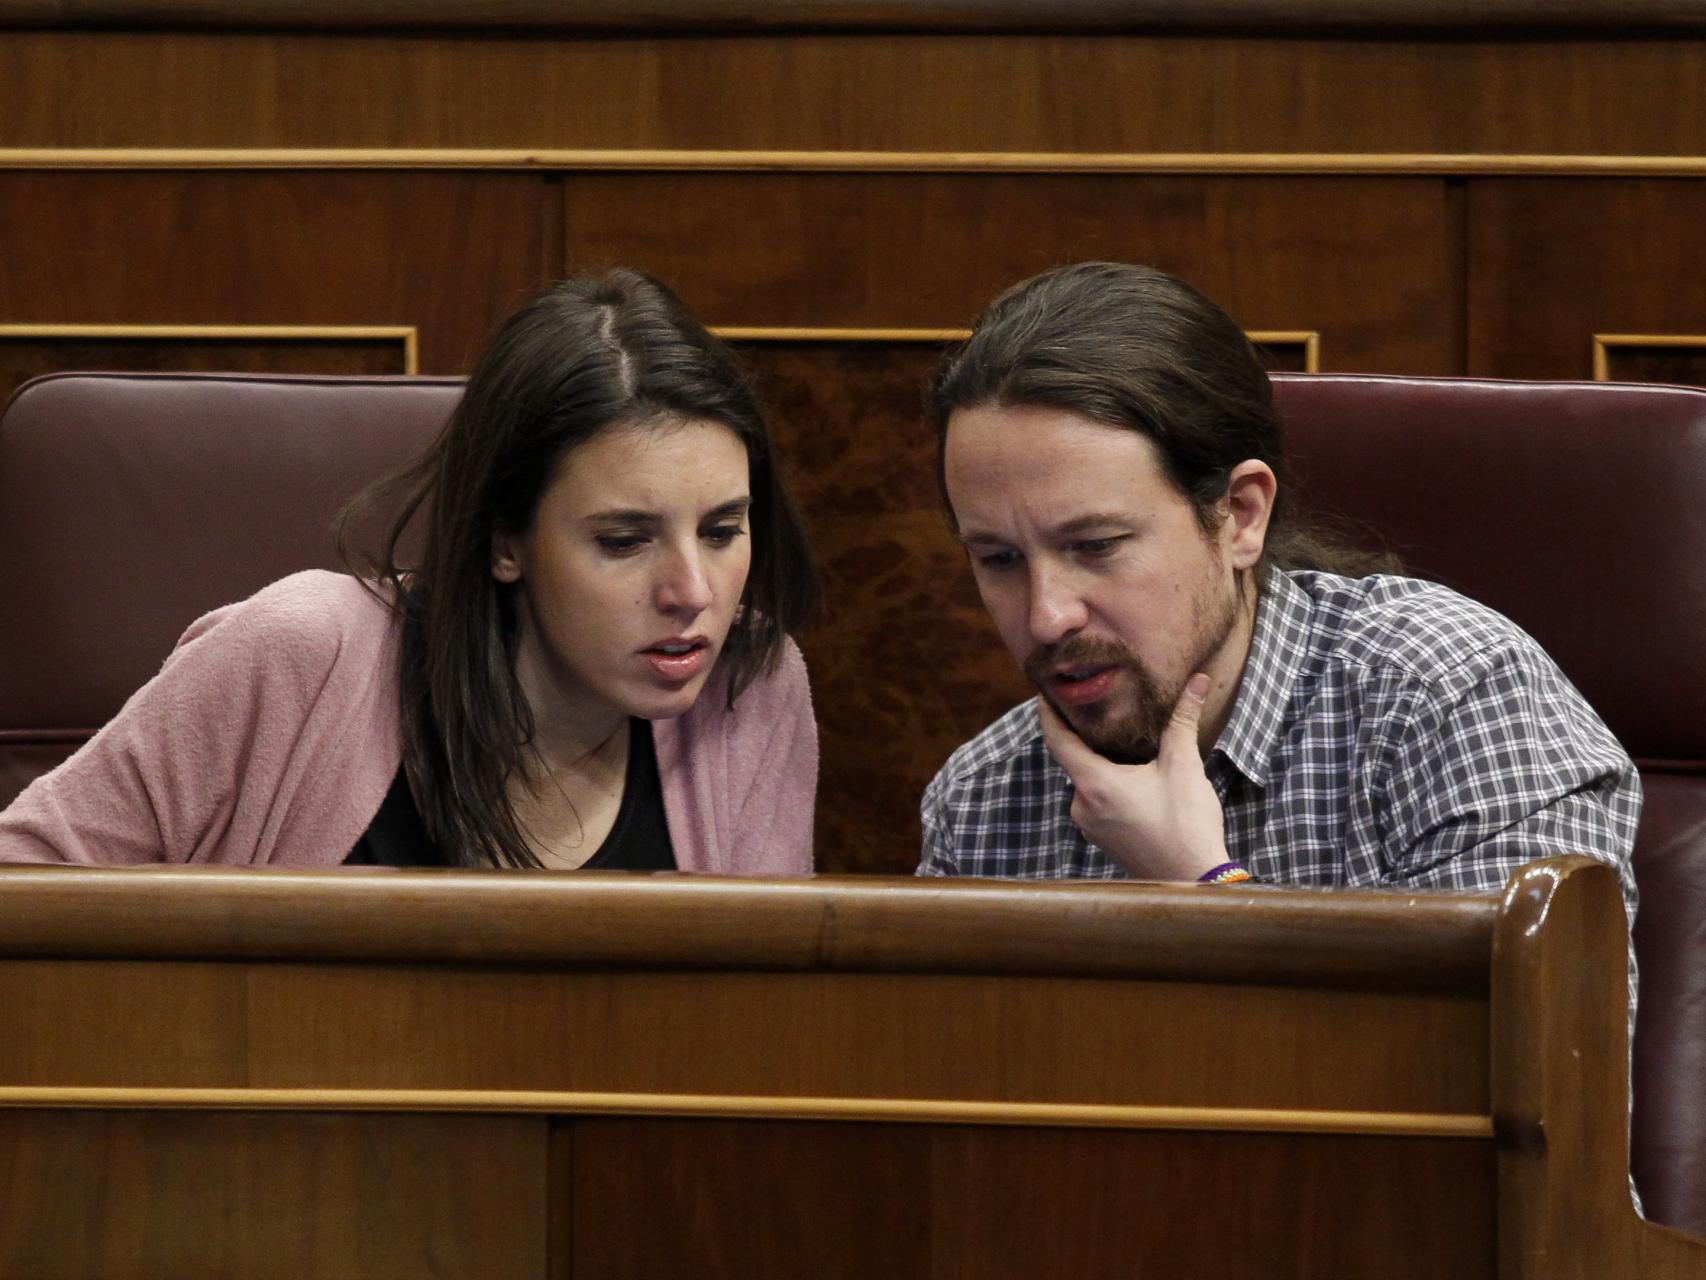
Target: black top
638, 841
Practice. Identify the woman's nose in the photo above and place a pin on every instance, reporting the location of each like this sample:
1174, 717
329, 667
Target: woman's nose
684, 586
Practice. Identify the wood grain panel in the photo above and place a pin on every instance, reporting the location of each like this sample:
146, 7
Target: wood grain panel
908, 665
831, 1201
1013, 1039
171, 1195
1095, 93
449, 253
1365, 262
25, 356
1555, 261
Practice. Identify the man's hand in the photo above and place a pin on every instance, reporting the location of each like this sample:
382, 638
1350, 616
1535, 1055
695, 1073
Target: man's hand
1161, 820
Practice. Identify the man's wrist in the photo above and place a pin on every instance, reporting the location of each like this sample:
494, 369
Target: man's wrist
1226, 873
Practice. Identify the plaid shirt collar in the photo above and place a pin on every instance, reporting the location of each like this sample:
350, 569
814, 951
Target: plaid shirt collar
1278, 651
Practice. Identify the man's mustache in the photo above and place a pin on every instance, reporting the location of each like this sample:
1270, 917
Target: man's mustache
1079, 651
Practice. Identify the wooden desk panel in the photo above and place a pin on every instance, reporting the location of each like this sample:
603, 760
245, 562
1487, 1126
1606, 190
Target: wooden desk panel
885, 1037
465, 1073
175, 1194
859, 1201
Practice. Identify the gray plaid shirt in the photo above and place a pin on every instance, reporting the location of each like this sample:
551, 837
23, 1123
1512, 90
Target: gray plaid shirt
1386, 732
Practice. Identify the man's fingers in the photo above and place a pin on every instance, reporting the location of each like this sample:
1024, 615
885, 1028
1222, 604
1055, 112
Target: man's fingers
1064, 744
1187, 712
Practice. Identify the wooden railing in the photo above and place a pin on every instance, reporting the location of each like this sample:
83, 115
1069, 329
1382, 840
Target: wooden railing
272, 1073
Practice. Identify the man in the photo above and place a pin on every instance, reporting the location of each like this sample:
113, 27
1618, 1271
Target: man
1216, 703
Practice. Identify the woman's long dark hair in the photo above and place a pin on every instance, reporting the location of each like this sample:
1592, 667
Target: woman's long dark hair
588, 354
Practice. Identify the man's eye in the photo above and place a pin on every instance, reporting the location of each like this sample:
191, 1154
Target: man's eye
621, 544
997, 559
723, 534
1096, 548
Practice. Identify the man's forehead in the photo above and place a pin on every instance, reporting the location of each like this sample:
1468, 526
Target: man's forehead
1029, 447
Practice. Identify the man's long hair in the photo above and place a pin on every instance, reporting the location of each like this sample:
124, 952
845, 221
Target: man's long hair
1134, 347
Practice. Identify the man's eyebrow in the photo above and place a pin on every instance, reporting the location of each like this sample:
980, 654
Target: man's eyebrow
1066, 529
1095, 520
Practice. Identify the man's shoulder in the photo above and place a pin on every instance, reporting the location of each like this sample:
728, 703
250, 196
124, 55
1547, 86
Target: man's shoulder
1015, 736
1407, 627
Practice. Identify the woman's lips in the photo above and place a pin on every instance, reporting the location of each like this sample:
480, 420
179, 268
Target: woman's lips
1093, 687
677, 668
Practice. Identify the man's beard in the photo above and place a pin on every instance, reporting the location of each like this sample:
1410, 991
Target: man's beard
1127, 727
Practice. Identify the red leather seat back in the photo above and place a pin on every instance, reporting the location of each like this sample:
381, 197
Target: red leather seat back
130, 504
1576, 509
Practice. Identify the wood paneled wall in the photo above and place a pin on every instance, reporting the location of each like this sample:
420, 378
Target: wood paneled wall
1475, 205
965, 93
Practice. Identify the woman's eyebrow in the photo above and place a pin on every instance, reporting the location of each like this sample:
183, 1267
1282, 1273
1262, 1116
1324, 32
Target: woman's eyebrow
634, 515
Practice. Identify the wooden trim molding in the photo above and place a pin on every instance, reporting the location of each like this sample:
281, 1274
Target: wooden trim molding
1308, 339
407, 335
744, 16
1603, 343
890, 1110
604, 161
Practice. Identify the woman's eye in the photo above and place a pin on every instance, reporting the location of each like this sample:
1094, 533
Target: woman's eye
998, 559
722, 534
620, 544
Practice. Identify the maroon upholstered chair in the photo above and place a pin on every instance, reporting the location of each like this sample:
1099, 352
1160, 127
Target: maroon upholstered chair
130, 504
1576, 509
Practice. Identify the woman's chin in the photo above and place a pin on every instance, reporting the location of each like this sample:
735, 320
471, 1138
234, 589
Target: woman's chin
666, 704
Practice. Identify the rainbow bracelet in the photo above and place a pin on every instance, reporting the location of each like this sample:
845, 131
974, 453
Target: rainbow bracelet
1226, 873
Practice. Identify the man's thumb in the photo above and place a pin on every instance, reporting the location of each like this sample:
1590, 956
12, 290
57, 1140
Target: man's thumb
1187, 711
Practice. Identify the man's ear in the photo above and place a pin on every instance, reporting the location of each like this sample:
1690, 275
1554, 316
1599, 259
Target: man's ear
506, 558
1250, 491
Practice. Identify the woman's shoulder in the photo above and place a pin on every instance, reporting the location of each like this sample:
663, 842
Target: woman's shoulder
782, 688
307, 619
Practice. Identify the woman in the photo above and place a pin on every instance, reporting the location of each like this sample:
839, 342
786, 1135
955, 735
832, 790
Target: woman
588, 667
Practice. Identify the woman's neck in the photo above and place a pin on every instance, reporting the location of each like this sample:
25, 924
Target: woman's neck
566, 806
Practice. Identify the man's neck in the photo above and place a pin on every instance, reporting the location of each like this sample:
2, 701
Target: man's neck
1226, 668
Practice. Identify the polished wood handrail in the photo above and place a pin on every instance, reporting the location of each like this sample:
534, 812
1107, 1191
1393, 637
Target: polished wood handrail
894, 924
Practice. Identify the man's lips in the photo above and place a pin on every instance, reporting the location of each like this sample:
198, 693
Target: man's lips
1079, 686
679, 658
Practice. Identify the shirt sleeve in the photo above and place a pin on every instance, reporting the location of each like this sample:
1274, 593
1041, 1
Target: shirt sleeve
937, 858
1502, 764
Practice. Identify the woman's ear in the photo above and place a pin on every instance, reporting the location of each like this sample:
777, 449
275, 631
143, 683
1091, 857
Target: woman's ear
1250, 491
506, 558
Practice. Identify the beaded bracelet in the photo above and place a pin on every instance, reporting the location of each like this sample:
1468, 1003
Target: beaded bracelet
1225, 873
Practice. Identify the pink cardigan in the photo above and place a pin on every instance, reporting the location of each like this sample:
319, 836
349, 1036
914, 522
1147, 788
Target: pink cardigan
273, 732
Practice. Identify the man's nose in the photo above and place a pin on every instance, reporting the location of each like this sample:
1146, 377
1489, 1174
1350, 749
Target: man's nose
683, 586
1057, 610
